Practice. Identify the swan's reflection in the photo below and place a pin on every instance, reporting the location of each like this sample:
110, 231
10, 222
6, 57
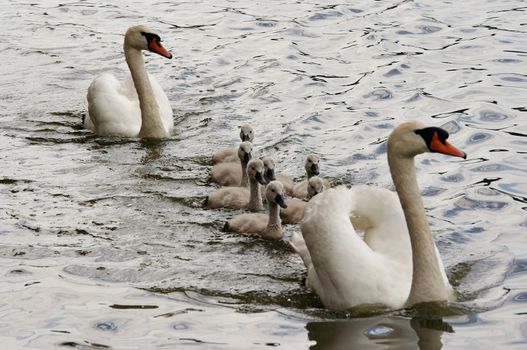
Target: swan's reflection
378, 333
154, 148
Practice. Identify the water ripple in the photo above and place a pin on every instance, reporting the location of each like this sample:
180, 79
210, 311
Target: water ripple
492, 116
479, 137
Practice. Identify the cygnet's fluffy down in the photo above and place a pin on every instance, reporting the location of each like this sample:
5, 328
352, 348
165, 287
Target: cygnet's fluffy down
295, 207
241, 197
269, 166
230, 155
233, 174
312, 168
267, 226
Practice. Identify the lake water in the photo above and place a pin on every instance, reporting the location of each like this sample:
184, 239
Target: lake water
104, 242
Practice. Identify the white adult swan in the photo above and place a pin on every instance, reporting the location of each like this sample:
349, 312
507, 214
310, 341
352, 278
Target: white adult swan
397, 264
138, 107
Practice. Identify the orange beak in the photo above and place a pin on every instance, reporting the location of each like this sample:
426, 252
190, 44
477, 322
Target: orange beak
445, 148
158, 48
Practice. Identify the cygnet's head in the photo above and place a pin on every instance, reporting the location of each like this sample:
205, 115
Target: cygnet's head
245, 152
255, 170
140, 37
246, 133
274, 193
311, 165
269, 174
412, 138
315, 185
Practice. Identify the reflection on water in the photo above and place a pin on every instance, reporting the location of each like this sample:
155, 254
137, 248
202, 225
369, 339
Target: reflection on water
89, 223
379, 333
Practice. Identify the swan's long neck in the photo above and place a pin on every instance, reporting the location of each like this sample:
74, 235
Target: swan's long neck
255, 196
427, 282
151, 125
245, 179
274, 225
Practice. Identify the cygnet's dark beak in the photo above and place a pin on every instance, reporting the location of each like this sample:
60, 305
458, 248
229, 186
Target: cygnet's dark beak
280, 201
315, 170
247, 157
246, 137
269, 175
260, 178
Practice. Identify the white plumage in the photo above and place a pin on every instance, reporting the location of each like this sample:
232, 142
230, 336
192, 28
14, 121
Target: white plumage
136, 107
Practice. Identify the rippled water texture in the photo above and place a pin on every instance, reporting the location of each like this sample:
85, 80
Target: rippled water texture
104, 242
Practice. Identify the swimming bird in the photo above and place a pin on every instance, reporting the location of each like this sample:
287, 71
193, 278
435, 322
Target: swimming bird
295, 207
137, 107
233, 174
267, 226
241, 197
312, 168
269, 166
231, 154
396, 263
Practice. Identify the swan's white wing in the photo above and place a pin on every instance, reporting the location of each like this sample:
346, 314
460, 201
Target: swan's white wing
113, 108
299, 246
345, 271
380, 214
165, 110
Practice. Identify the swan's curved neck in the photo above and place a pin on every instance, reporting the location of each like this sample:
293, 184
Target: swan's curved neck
427, 281
274, 225
151, 125
245, 179
255, 197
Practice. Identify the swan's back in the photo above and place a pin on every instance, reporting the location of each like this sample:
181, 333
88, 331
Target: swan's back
342, 263
250, 223
227, 174
294, 211
228, 197
112, 111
